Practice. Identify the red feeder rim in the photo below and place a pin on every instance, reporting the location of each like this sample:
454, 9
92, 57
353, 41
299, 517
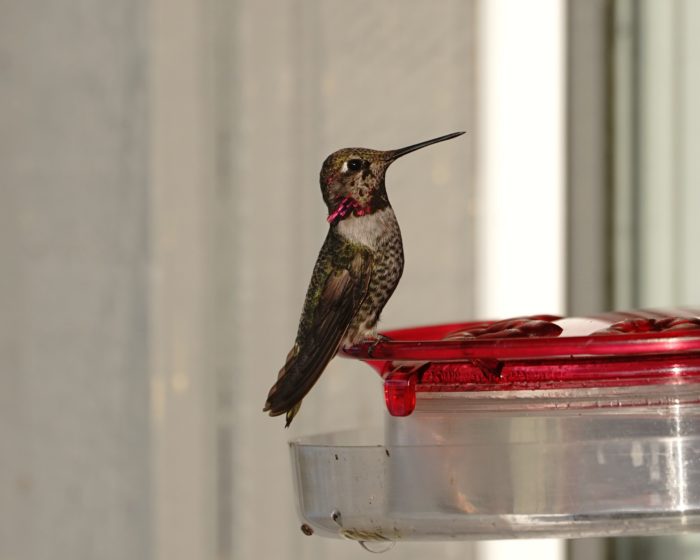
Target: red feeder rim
633, 348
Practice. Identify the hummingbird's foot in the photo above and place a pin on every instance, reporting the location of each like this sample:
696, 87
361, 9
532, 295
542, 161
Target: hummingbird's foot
376, 340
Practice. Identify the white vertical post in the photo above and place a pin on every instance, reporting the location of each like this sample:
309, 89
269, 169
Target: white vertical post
520, 231
520, 218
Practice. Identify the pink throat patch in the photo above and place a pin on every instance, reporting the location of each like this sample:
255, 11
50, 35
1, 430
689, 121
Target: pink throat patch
347, 206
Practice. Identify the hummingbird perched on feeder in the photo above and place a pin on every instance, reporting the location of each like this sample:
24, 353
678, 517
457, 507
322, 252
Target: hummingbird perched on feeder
356, 272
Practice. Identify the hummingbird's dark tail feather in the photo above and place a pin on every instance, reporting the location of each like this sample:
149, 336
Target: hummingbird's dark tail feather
305, 363
342, 293
296, 378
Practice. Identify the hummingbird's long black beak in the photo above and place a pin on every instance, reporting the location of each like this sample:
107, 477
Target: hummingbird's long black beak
395, 154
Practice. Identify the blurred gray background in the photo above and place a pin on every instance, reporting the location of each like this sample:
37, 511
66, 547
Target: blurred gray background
160, 215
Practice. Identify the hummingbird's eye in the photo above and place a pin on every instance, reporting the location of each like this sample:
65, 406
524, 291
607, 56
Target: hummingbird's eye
354, 164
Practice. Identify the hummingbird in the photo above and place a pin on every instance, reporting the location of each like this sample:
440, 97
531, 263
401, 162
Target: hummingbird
356, 272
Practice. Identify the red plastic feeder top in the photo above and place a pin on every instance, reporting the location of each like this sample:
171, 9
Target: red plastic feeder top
632, 348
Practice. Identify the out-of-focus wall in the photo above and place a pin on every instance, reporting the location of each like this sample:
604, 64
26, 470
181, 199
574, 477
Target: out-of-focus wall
160, 216
74, 385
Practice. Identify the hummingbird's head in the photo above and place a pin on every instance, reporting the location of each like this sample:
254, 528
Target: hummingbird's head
356, 173
352, 179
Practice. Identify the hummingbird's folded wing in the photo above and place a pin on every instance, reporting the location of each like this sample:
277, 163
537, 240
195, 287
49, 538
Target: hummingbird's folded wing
340, 299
